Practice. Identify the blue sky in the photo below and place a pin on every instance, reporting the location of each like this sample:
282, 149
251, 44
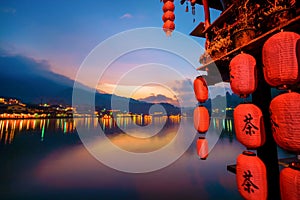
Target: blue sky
63, 32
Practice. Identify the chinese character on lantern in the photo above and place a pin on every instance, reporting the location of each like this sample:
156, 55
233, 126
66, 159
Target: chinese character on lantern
249, 126
248, 185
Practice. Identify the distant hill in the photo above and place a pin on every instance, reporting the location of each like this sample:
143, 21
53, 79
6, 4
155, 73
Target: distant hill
32, 82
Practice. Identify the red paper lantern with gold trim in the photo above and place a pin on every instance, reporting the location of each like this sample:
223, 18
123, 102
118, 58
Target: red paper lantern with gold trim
290, 182
202, 148
201, 119
201, 89
285, 120
249, 125
251, 177
243, 78
279, 54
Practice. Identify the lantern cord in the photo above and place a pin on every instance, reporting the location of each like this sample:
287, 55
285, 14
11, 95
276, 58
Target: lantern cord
187, 7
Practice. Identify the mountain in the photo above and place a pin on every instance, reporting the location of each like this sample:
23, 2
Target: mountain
33, 82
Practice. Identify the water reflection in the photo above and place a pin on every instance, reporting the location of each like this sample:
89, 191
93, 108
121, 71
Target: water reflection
9, 128
48, 148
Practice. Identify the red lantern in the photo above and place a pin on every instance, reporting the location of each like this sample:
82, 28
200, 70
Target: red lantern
169, 15
200, 89
290, 182
193, 2
249, 125
168, 27
168, 6
285, 120
251, 176
202, 148
243, 78
201, 119
279, 54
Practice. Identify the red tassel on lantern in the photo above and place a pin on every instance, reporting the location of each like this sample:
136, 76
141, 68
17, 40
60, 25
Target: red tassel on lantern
279, 54
290, 182
251, 176
201, 89
285, 120
243, 78
202, 148
201, 119
249, 125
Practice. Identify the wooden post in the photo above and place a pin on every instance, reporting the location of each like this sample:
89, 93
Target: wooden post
268, 152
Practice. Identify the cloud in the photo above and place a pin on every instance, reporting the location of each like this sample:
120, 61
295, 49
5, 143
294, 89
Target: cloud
8, 10
159, 98
185, 92
126, 16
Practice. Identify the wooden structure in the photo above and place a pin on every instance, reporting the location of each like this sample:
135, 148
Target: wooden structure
262, 96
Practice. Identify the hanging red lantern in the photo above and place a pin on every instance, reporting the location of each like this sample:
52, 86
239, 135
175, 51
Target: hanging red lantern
279, 54
290, 182
202, 148
201, 89
285, 120
251, 176
169, 15
249, 125
243, 78
201, 119
193, 2
168, 27
168, 6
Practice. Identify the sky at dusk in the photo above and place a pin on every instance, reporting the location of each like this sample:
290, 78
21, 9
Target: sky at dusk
62, 33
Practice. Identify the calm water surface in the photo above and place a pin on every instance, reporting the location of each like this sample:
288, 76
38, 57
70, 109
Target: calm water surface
45, 159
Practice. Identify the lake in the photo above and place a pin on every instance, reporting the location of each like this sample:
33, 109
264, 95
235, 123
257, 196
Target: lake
45, 159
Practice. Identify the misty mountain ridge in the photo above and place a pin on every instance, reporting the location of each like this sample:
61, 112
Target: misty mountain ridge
32, 81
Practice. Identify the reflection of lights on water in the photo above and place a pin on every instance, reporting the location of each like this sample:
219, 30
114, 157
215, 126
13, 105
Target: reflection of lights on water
65, 127
227, 125
1, 127
34, 124
43, 131
9, 128
48, 121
